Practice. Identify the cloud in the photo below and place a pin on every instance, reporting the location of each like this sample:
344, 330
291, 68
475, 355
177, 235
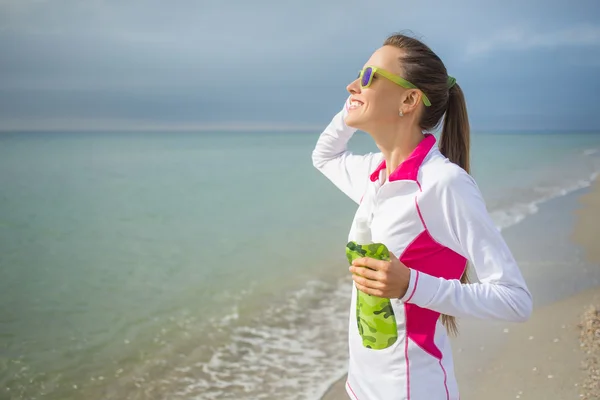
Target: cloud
520, 39
101, 43
195, 62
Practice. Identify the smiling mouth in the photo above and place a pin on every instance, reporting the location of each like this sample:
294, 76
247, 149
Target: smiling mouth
354, 104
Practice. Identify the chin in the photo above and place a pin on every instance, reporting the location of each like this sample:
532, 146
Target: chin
352, 121
357, 123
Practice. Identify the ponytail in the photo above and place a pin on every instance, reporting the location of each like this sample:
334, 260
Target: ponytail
455, 137
454, 144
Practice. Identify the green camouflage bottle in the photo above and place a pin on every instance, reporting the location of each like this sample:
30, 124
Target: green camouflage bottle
374, 315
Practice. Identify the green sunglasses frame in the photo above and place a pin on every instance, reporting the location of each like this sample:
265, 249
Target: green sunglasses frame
398, 80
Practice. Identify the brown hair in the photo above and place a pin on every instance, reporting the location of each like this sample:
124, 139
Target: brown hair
424, 69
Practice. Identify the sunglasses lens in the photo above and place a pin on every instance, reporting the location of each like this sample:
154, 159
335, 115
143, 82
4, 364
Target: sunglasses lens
366, 78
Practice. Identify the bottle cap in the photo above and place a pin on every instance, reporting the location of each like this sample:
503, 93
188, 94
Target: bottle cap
363, 231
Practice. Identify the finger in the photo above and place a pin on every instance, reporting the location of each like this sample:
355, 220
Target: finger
367, 290
367, 282
367, 273
372, 263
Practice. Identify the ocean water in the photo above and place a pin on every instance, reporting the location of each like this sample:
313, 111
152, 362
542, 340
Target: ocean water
202, 265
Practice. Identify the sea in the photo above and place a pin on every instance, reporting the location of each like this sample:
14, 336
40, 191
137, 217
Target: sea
203, 265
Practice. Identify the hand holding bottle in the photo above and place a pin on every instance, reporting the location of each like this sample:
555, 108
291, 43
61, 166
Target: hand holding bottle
388, 279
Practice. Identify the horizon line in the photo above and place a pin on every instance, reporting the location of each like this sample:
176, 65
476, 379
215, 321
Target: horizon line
163, 128
132, 126
299, 128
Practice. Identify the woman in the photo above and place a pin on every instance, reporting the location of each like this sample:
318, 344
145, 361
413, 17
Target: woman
423, 205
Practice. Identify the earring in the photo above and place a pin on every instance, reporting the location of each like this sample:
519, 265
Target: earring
401, 113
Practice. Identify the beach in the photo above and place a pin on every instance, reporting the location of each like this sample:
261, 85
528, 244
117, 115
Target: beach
554, 355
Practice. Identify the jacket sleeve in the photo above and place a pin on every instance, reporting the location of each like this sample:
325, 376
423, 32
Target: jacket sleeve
349, 172
461, 222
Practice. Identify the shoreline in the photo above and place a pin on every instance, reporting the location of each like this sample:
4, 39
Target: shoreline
554, 369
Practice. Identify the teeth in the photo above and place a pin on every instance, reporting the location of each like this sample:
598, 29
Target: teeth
355, 103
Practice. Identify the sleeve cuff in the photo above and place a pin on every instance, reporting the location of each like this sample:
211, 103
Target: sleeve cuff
421, 288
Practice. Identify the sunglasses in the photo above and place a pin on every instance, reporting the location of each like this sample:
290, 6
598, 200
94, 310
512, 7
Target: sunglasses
366, 78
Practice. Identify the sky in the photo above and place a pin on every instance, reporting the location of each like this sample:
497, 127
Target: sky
183, 64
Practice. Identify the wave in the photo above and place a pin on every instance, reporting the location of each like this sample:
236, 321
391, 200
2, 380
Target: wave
516, 213
292, 349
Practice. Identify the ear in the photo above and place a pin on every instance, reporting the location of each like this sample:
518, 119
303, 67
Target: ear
411, 101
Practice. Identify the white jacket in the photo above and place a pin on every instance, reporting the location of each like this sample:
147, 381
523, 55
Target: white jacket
431, 215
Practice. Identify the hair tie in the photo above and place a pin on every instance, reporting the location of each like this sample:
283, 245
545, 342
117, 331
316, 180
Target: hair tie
451, 81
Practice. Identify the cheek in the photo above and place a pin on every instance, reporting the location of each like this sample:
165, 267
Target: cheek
382, 107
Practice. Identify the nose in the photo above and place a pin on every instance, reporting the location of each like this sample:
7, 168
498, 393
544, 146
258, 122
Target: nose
353, 87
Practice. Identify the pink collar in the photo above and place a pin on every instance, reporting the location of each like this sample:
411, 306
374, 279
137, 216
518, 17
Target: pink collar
409, 168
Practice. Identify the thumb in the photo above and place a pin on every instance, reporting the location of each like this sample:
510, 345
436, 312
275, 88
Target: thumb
393, 257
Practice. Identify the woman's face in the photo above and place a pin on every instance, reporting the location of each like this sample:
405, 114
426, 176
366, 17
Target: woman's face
381, 102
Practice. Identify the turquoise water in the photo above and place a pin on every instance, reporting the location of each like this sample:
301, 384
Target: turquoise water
183, 265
